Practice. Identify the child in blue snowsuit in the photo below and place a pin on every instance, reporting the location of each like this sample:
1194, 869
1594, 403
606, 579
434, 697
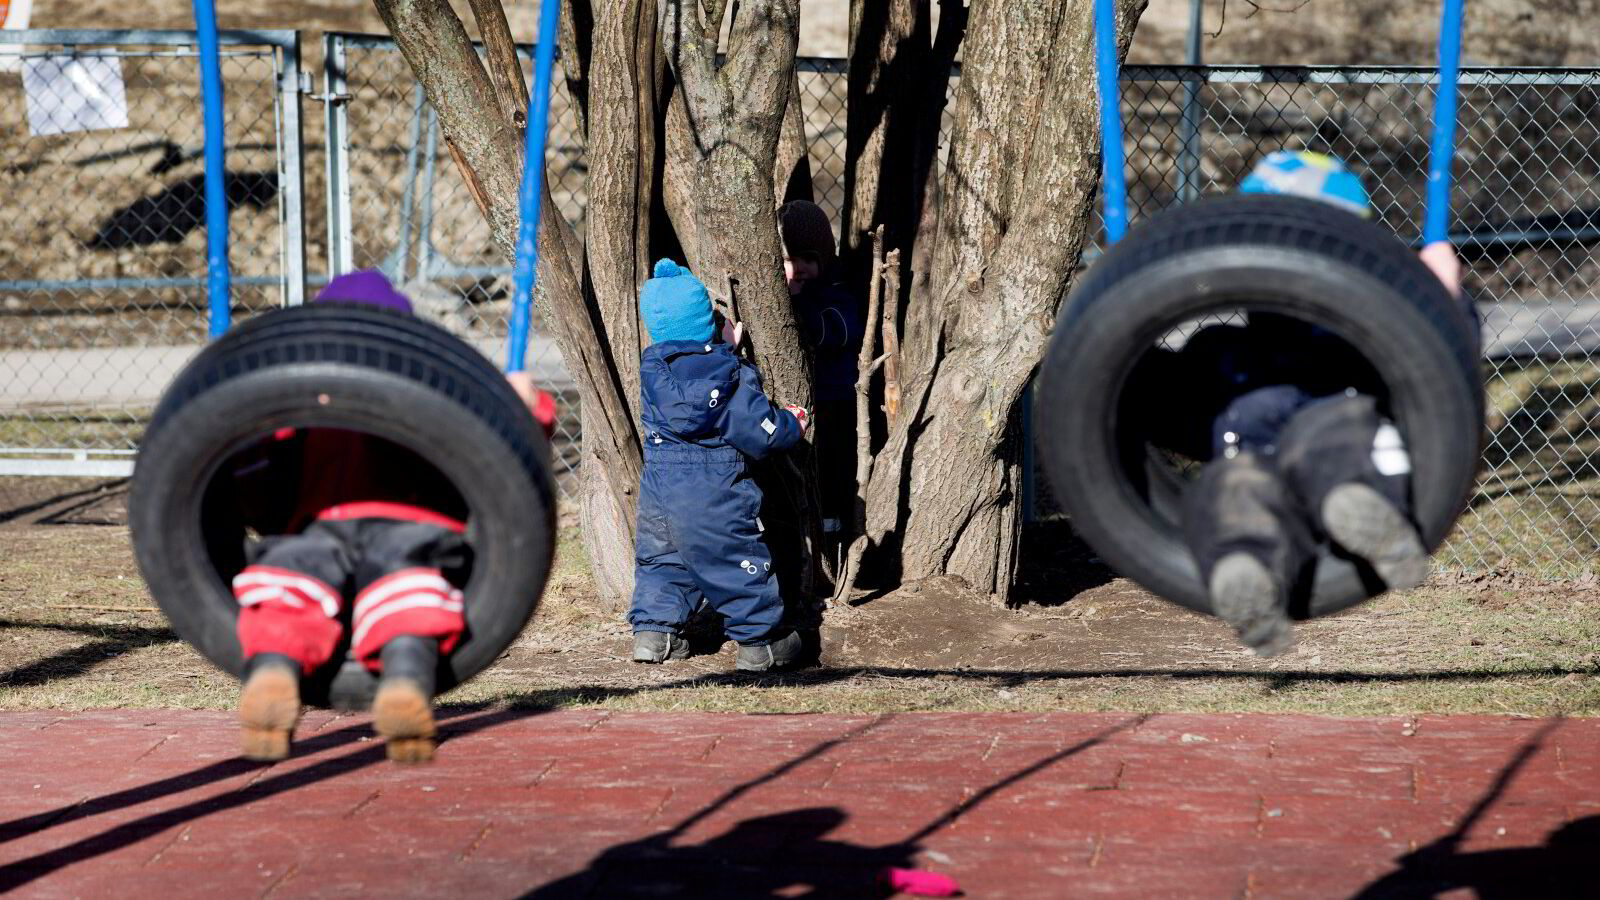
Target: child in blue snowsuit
699, 533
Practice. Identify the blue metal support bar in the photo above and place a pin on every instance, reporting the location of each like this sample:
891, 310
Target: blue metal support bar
1114, 179
217, 288
1442, 151
532, 189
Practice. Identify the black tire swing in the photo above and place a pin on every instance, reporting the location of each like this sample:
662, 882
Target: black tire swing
1259, 253
361, 369
357, 368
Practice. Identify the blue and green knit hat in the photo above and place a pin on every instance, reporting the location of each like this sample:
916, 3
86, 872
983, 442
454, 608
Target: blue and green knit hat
675, 305
1313, 175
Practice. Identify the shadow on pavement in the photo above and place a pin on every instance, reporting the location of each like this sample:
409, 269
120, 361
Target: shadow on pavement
778, 855
1561, 867
24, 871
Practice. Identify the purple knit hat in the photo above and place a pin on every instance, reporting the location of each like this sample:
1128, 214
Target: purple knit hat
368, 287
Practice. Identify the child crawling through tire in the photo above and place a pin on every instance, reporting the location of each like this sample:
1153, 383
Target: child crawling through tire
1290, 422
365, 532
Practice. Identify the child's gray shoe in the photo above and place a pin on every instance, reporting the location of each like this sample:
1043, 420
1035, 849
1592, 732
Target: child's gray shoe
1364, 522
658, 646
762, 657
1246, 595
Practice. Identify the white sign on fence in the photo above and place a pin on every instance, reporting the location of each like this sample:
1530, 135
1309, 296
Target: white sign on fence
73, 93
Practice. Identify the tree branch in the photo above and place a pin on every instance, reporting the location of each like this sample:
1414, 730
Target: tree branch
845, 583
505, 71
713, 27
577, 39
891, 341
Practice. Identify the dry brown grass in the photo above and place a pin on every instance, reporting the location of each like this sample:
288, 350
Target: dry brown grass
77, 630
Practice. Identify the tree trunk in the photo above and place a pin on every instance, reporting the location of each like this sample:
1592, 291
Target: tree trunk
625, 92
1024, 152
889, 65
728, 138
489, 151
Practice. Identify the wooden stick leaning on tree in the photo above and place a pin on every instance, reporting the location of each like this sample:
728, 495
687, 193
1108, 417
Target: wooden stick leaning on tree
891, 340
865, 366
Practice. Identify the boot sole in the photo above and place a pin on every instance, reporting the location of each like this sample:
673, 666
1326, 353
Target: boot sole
269, 708
1246, 596
1365, 523
403, 717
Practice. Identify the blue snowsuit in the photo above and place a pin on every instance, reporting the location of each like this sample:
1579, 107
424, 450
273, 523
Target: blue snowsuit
699, 529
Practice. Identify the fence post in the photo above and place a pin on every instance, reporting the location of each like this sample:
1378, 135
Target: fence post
1189, 136
430, 172
291, 172
336, 113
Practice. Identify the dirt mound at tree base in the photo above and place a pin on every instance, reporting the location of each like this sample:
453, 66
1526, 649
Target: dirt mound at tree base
940, 623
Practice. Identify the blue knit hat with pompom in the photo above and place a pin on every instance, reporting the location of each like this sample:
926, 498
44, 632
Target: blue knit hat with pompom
1313, 175
675, 305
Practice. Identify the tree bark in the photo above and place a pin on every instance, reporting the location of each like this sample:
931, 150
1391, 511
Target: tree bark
505, 72
624, 96
489, 150
733, 117
728, 136
1024, 153
889, 56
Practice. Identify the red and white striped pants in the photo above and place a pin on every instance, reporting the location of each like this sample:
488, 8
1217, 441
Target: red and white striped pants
292, 595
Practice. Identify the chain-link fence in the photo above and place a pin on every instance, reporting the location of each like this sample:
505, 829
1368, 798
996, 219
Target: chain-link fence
102, 244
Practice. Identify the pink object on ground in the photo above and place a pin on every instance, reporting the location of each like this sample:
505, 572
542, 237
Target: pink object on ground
921, 884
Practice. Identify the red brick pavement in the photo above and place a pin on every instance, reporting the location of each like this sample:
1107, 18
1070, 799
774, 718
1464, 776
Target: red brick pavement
589, 803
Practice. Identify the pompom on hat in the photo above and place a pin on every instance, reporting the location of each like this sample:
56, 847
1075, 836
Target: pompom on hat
675, 306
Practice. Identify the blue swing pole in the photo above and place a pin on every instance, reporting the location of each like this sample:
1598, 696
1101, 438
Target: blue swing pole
218, 280
1114, 178
532, 188
1441, 151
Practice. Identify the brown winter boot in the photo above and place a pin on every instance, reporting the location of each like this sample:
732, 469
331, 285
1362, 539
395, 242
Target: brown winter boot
269, 706
402, 713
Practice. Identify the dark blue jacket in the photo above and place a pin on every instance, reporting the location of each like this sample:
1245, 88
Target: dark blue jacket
699, 534
702, 395
831, 324
1245, 379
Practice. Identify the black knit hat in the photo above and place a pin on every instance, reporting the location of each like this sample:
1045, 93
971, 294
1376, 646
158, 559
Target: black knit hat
805, 230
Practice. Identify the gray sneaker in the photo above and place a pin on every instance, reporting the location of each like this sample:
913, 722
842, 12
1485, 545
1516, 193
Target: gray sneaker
762, 657
1364, 522
658, 646
1247, 596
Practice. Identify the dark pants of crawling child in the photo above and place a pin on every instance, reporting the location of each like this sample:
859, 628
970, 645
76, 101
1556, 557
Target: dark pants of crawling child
1337, 473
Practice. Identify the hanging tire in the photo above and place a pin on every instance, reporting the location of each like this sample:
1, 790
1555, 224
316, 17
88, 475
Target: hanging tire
1258, 252
357, 368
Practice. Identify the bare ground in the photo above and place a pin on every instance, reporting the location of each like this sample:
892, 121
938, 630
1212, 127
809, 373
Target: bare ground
78, 630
